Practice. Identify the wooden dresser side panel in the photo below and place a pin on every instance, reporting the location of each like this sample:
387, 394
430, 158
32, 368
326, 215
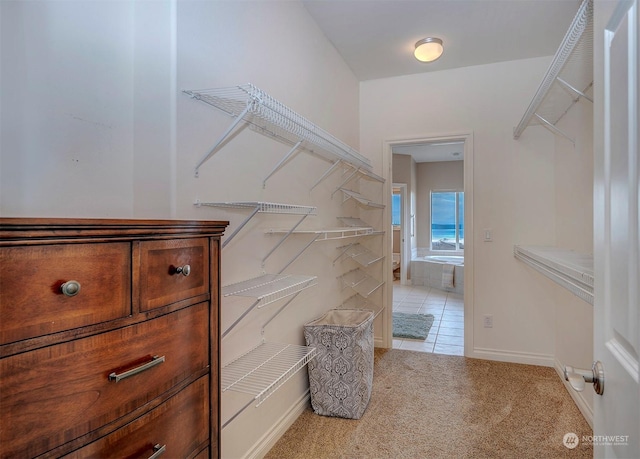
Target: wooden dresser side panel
214, 326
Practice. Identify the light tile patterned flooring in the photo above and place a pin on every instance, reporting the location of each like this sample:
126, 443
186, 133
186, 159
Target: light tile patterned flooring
446, 335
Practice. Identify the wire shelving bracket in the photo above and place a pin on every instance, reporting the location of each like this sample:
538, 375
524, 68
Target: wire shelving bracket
350, 194
573, 62
267, 116
267, 289
569, 269
356, 301
353, 221
263, 370
356, 173
358, 253
329, 234
361, 282
263, 207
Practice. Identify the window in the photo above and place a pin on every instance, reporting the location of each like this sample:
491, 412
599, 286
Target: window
447, 220
396, 206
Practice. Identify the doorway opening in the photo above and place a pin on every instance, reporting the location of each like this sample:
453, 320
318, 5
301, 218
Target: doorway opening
430, 208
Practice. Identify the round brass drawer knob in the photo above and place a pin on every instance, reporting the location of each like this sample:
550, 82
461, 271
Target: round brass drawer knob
70, 288
184, 270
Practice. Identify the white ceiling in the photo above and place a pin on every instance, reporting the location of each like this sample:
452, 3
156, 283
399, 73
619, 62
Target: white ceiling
376, 38
437, 151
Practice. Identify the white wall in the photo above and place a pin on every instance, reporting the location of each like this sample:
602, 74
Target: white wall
574, 230
536, 190
94, 124
514, 188
277, 47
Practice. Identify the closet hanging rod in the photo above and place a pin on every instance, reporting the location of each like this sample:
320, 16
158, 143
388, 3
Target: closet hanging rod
569, 269
580, 23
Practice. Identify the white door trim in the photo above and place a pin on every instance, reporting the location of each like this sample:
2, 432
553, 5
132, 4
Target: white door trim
387, 157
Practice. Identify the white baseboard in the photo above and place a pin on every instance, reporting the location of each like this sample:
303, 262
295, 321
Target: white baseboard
266, 442
544, 360
378, 343
578, 398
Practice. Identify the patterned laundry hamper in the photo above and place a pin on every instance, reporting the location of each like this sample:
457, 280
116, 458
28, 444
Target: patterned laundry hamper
341, 374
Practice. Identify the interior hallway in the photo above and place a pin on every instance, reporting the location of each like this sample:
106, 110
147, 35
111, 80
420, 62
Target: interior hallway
446, 335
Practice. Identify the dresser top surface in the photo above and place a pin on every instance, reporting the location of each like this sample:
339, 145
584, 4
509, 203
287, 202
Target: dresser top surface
34, 229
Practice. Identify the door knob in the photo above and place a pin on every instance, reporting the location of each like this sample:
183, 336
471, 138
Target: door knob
577, 377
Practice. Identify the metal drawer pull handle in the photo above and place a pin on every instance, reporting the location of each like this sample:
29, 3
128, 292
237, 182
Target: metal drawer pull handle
159, 451
134, 371
185, 270
70, 288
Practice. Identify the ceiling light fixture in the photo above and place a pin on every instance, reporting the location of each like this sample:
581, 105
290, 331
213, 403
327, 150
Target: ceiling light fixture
428, 49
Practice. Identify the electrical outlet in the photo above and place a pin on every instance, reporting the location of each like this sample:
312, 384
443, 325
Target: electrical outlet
488, 321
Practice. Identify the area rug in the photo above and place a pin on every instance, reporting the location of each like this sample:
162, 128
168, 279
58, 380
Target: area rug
412, 326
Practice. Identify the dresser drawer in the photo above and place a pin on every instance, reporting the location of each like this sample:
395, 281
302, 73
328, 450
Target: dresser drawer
32, 303
55, 394
180, 426
172, 270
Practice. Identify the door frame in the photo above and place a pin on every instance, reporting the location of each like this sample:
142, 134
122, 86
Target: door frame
387, 174
405, 234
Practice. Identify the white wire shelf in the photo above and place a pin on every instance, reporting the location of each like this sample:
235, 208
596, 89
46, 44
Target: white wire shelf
353, 221
368, 175
267, 116
569, 269
357, 173
361, 282
264, 207
263, 370
358, 253
350, 194
328, 234
569, 77
354, 227
269, 288
257, 207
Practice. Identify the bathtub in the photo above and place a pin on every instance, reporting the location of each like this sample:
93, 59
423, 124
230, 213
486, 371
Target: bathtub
428, 271
453, 259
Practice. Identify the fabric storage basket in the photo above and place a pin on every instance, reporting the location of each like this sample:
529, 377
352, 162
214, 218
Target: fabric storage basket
341, 374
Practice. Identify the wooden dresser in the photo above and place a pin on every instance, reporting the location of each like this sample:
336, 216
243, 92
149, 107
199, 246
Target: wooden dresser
109, 338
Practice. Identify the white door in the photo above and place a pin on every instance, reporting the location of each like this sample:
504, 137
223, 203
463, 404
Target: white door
616, 216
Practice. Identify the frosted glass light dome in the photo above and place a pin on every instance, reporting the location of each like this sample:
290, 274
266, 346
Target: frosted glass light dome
428, 49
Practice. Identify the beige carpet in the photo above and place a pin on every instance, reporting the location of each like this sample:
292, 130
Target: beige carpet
439, 406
